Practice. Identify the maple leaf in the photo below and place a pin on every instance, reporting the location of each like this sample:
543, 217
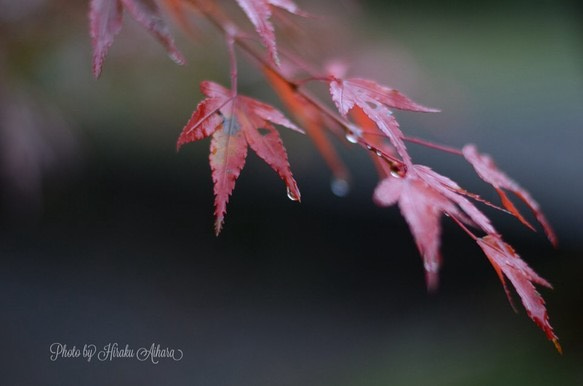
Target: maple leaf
423, 196
105, 19
422, 207
259, 13
375, 101
236, 122
487, 170
507, 262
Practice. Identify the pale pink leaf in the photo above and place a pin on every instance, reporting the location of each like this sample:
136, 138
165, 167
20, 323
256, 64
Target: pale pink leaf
422, 208
105, 19
388, 191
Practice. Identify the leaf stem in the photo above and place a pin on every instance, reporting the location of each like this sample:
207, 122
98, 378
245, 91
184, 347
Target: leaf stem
231, 33
461, 225
444, 148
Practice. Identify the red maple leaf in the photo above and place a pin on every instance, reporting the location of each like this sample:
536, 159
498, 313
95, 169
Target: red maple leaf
235, 121
259, 13
423, 196
105, 22
375, 100
507, 263
422, 207
487, 170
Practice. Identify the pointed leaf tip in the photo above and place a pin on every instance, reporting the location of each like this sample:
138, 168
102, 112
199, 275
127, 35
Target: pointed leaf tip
105, 19
219, 225
422, 207
227, 159
293, 193
431, 281
147, 14
507, 262
259, 13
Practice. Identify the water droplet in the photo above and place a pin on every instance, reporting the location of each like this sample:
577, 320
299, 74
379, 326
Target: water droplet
379, 154
354, 133
291, 195
340, 187
395, 173
369, 147
351, 138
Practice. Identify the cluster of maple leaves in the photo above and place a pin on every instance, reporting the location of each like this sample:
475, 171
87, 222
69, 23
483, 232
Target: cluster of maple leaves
235, 123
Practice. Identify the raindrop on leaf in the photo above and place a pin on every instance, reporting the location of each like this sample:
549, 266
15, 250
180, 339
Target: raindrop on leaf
291, 195
351, 138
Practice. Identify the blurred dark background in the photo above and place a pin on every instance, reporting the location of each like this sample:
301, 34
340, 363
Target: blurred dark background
106, 232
